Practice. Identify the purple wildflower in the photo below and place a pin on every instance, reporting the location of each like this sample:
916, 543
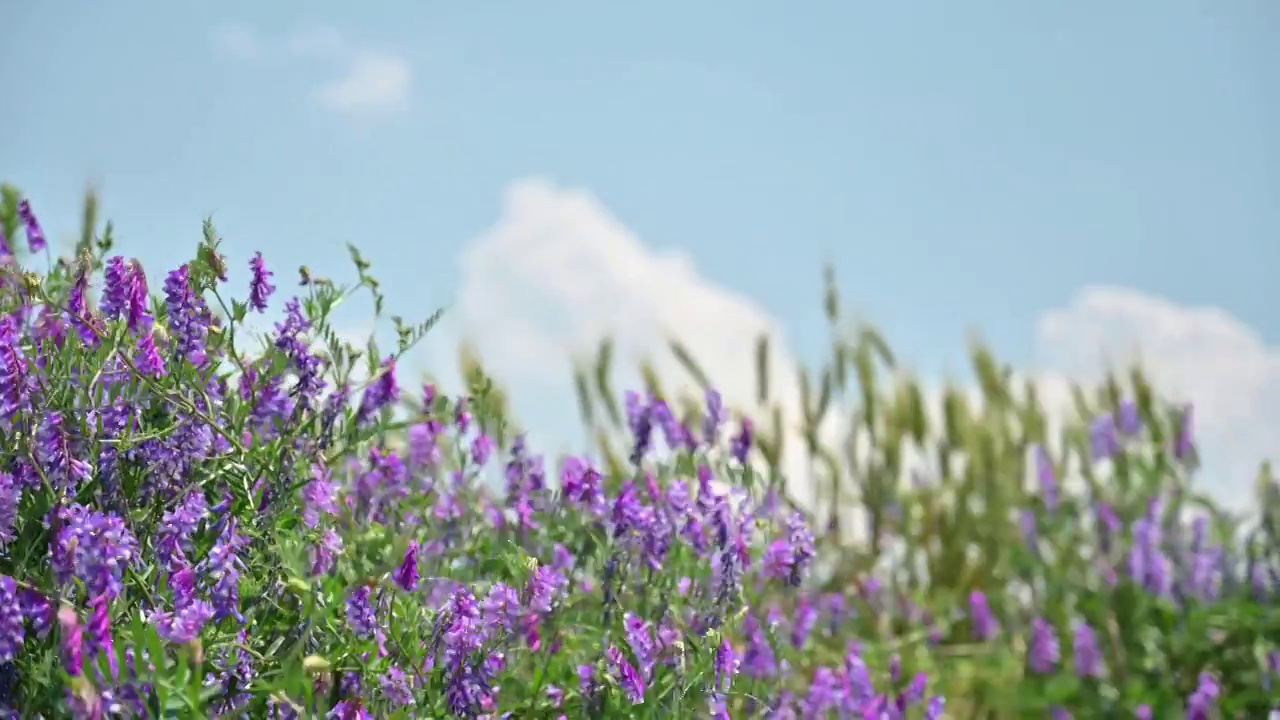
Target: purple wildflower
324, 553
56, 452
464, 633
38, 611
462, 416
382, 392
1103, 437
1202, 702
406, 575
1047, 478
17, 383
148, 359
806, 618
981, 619
260, 288
92, 547
352, 709
72, 641
759, 659
116, 287
189, 318
361, 617
221, 570
540, 591
715, 416
183, 583
1184, 445
12, 630
625, 674
639, 634
501, 607
741, 444
82, 318
789, 558
424, 450
481, 449
640, 422
1045, 651
10, 498
177, 526
1148, 564
36, 241
1129, 420
586, 679
184, 624
319, 496
397, 687
914, 693
100, 631
1088, 658
726, 663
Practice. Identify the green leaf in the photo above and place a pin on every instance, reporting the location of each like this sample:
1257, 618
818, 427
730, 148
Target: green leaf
690, 365
762, 369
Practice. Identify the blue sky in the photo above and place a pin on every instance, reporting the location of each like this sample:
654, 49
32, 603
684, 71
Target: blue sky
982, 166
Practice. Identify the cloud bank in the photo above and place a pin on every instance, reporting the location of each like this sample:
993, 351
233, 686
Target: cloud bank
1194, 354
558, 271
364, 80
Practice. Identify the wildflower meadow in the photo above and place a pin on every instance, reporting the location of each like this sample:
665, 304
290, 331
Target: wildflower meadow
199, 520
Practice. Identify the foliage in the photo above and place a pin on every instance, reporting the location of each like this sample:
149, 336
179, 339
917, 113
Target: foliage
192, 529
1109, 544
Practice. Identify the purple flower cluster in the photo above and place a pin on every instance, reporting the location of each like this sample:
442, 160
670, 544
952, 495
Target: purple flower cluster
303, 543
92, 547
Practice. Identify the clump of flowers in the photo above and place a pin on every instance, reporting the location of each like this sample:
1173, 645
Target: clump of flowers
196, 520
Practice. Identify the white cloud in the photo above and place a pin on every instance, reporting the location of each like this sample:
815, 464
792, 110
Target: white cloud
366, 80
1201, 354
558, 272
371, 82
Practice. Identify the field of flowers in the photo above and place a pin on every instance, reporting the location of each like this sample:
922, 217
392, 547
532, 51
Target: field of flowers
195, 522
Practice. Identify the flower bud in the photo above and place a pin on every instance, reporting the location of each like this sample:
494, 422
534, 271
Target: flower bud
315, 664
